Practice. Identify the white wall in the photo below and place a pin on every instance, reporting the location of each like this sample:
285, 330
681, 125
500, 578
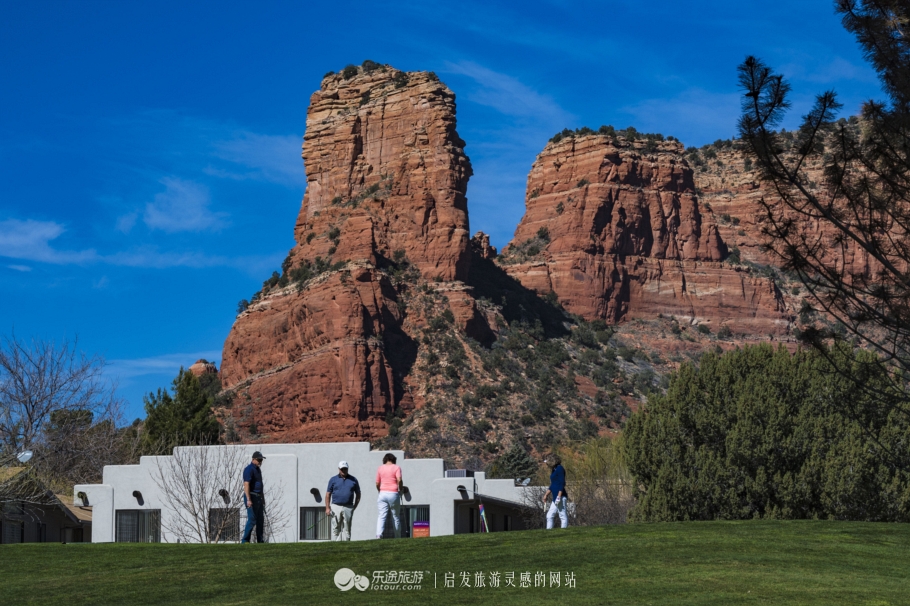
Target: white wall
296, 469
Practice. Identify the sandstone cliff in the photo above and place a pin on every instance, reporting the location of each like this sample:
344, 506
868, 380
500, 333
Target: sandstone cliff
388, 323
617, 233
321, 354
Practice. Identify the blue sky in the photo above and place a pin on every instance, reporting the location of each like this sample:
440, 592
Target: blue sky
150, 169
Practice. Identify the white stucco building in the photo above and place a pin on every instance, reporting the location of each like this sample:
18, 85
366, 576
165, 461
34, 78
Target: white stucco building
131, 505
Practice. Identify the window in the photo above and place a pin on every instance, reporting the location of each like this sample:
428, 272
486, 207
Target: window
224, 524
138, 526
409, 515
314, 524
13, 532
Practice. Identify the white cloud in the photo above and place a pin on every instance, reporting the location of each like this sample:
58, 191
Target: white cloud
273, 158
126, 222
167, 363
30, 240
509, 95
183, 206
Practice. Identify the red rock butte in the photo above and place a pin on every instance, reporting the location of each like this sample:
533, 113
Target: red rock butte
614, 232
203, 367
386, 175
625, 238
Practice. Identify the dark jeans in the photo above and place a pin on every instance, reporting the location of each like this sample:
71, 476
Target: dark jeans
255, 516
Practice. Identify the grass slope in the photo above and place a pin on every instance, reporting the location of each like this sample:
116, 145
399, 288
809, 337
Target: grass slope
692, 563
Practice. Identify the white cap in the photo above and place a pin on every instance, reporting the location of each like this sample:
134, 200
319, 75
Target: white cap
343, 465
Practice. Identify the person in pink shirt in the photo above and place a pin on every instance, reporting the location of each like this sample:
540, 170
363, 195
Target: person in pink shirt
388, 483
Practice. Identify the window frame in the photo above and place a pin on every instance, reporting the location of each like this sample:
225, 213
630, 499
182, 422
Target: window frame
232, 533
318, 526
147, 526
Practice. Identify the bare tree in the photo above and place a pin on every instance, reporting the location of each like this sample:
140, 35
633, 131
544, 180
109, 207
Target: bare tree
599, 486
203, 485
55, 402
533, 510
599, 483
276, 520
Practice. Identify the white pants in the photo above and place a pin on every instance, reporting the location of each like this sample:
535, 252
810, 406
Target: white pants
388, 501
558, 507
341, 522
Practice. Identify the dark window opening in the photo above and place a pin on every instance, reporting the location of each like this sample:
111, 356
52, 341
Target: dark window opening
134, 526
314, 524
224, 524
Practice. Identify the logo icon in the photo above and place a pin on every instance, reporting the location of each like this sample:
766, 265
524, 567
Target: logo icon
346, 578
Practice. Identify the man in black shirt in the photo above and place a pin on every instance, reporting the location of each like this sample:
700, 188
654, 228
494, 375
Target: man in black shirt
252, 493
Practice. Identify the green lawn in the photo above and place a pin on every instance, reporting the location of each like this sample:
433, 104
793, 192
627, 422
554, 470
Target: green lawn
691, 563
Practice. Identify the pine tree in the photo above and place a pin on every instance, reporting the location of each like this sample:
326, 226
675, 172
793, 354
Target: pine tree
860, 273
185, 418
515, 463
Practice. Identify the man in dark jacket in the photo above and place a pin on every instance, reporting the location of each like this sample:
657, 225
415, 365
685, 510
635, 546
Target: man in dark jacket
341, 499
558, 492
252, 494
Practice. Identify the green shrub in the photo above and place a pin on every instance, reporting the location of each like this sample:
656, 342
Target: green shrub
552, 298
583, 335
482, 426
582, 183
470, 399
429, 424
438, 324
401, 79
349, 72
762, 433
704, 329
310, 236
559, 208
369, 66
544, 234
487, 392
